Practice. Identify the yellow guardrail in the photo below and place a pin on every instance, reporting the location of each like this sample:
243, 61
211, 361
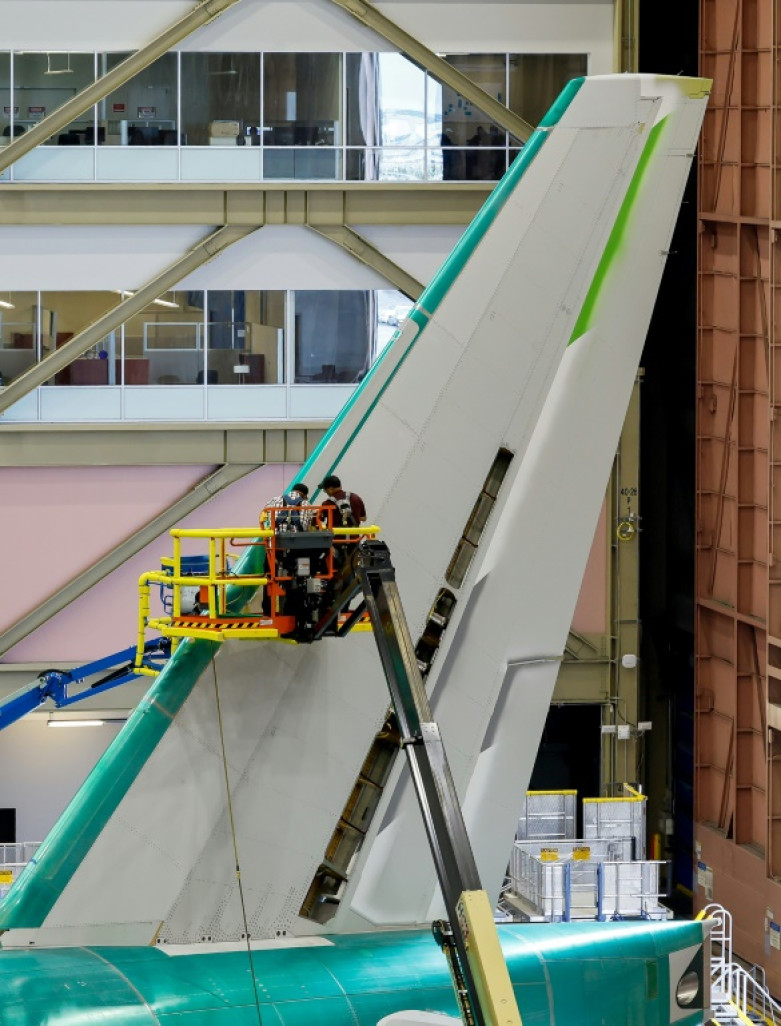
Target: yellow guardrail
606, 801
558, 791
213, 584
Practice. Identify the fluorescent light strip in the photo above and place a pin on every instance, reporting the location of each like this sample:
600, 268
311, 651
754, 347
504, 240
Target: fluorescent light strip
160, 302
7, 306
75, 723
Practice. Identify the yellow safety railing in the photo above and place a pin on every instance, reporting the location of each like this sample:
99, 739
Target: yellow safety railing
215, 581
555, 791
213, 585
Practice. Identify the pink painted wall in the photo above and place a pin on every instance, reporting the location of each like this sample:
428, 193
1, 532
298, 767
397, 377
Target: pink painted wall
60, 520
64, 519
56, 521
591, 611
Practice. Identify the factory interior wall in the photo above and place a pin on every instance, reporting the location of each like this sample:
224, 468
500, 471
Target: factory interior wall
94, 511
64, 258
317, 25
42, 768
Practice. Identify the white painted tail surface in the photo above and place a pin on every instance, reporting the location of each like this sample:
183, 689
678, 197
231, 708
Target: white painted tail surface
505, 641
484, 362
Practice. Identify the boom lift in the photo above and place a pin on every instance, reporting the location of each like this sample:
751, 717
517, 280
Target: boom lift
66, 687
311, 578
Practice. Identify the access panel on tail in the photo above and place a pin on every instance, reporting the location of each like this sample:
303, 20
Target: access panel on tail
555, 278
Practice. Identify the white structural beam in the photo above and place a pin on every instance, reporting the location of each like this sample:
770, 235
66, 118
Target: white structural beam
359, 247
439, 68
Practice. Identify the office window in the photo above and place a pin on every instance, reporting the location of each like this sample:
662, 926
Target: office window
335, 335
165, 343
221, 99
302, 115
142, 112
6, 108
44, 81
393, 307
403, 129
386, 118
302, 99
473, 147
535, 80
20, 325
65, 314
362, 116
245, 337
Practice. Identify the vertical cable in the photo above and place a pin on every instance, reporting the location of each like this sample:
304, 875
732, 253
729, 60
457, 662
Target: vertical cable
235, 844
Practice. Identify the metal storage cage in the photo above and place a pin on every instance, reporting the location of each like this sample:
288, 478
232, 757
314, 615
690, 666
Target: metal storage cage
548, 814
616, 817
580, 880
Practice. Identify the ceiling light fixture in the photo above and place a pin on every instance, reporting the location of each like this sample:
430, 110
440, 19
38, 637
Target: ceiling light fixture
125, 293
75, 723
7, 306
220, 72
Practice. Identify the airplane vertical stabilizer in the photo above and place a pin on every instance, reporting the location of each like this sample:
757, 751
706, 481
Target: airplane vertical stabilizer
496, 670
247, 759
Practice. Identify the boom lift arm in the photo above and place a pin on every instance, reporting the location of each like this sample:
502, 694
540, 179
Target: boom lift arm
469, 939
66, 687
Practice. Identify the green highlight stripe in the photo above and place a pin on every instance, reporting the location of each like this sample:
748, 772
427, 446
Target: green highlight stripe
618, 235
35, 892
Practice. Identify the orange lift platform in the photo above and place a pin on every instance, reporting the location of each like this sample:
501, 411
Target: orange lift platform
307, 563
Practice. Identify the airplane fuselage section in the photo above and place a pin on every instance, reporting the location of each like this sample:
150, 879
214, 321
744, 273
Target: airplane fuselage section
594, 974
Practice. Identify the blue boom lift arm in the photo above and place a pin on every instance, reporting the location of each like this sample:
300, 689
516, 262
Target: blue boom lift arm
66, 687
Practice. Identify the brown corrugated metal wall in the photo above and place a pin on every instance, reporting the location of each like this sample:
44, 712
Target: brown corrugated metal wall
738, 604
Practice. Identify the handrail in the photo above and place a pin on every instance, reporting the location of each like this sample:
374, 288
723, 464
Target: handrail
731, 982
218, 575
748, 993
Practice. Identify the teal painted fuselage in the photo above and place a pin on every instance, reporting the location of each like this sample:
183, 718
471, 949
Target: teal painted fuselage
605, 974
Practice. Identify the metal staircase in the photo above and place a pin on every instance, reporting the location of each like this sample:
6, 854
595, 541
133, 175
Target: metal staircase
739, 996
